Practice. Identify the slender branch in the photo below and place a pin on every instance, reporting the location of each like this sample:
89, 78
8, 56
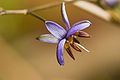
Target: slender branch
5, 12
26, 11
37, 16
30, 11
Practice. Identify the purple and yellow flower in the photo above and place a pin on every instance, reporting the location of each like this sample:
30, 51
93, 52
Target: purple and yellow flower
65, 37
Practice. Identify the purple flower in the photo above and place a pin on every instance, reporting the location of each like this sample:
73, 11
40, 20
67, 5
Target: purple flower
65, 37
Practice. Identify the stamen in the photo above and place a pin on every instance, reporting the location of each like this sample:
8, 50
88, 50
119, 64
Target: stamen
82, 47
68, 49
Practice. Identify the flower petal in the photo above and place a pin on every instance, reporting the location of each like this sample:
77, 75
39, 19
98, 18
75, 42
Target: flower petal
60, 49
64, 16
48, 38
55, 29
78, 26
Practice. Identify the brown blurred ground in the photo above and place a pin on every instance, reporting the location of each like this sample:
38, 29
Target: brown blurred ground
24, 58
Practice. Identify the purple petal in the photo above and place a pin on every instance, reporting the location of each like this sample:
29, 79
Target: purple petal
48, 38
60, 49
55, 29
78, 26
64, 16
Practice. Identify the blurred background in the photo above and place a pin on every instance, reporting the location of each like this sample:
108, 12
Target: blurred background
22, 57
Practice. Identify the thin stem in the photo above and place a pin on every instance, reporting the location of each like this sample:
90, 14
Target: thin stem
26, 11
5, 12
37, 16
107, 16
